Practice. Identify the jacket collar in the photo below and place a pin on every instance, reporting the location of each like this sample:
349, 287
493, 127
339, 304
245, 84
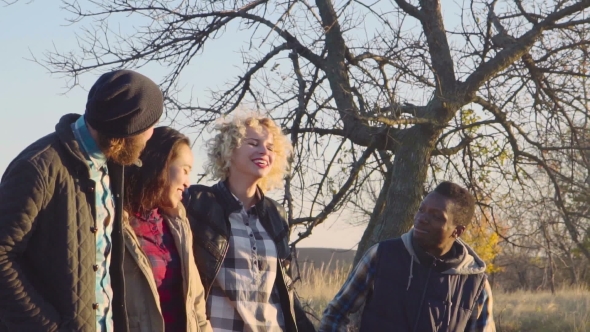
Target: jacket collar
88, 144
470, 262
450, 260
232, 202
64, 131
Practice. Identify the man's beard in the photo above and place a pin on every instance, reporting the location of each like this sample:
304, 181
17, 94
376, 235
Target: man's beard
122, 151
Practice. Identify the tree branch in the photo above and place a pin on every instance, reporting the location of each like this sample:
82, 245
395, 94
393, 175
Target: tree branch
508, 55
292, 42
319, 131
501, 117
438, 46
454, 150
409, 9
245, 79
337, 198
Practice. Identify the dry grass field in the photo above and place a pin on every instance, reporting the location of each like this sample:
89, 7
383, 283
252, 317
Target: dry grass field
567, 310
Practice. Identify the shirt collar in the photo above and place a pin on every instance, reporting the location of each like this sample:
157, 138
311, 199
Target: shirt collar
152, 216
259, 196
89, 145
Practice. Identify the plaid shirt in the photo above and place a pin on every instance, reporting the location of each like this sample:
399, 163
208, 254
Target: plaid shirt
243, 296
105, 210
158, 244
359, 286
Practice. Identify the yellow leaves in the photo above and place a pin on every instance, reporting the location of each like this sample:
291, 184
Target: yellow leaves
503, 157
468, 117
482, 237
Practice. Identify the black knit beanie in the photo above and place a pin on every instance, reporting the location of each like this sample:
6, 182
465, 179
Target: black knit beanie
123, 103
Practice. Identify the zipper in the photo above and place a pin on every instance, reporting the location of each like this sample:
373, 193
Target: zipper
423, 297
178, 241
218, 267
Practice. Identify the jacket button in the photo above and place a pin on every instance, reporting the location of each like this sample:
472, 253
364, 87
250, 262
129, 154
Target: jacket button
93, 229
95, 306
95, 267
90, 189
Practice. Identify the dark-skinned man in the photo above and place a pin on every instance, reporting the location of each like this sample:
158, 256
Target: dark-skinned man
426, 280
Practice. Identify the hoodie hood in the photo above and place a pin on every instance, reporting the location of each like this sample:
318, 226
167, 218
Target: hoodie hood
470, 263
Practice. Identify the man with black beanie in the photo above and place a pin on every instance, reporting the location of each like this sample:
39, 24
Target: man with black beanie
61, 245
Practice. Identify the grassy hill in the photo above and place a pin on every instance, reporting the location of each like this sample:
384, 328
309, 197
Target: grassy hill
329, 259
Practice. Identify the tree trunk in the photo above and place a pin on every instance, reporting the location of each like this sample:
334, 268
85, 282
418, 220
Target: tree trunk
574, 280
549, 256
375, 216
405, 191
571, 265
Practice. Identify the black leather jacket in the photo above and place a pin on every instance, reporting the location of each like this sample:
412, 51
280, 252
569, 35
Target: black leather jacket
208, 210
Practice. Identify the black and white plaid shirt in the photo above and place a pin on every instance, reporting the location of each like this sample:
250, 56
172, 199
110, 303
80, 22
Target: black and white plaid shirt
243, 296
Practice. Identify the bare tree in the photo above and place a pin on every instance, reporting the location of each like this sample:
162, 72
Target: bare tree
389, 89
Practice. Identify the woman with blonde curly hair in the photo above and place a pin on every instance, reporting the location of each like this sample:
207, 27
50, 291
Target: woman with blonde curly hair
241, 236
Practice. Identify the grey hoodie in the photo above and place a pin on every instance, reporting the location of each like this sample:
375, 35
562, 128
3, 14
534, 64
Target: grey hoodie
470, 263
464, 261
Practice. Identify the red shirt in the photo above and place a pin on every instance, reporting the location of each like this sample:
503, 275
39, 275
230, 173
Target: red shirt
158, 245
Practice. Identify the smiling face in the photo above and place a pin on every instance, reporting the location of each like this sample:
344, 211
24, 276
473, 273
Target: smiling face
253, 158
179, 169
434, 225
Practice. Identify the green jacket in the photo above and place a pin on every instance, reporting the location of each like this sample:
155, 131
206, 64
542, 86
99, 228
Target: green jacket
143, 302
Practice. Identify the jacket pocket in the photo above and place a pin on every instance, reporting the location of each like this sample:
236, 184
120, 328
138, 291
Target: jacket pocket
438, 313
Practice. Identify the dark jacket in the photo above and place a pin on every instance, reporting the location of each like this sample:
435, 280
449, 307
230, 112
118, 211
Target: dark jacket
414, 292
47, 241
208, 210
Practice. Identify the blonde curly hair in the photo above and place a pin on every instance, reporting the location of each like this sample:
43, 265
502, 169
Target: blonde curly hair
230, 134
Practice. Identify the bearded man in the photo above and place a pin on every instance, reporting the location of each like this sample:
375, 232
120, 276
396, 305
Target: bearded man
61, 199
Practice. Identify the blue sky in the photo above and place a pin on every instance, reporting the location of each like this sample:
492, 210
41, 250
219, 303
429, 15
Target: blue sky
33, 100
